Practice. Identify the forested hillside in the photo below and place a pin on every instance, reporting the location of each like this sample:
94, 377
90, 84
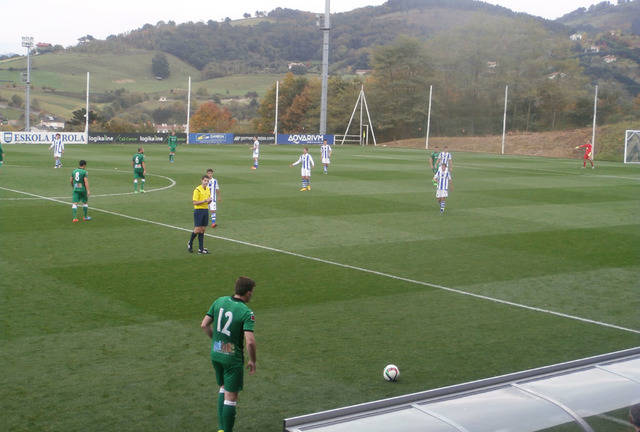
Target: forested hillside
286, 35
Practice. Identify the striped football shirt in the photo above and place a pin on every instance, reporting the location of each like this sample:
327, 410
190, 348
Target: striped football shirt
57, 145
214, 188
325, 151
306, 160
444, 157
443, 177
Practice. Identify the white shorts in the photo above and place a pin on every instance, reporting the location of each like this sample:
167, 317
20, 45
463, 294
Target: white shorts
58, 155
256, 154
442, 194
326, 161
305, 172
212, 206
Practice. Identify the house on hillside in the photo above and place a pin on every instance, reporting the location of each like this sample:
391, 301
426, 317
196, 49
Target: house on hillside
556, 75
167, 128
43, 47
362, 72
492, 65
609, 58
50, 122
162, 99
576, 37
594, 49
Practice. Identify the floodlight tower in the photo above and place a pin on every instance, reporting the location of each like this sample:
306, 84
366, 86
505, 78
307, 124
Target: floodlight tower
27, 42
325, 67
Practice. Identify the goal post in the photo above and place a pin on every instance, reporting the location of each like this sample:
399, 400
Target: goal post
632, 146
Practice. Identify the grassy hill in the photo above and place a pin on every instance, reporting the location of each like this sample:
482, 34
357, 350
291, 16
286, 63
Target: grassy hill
59, 80
66, 71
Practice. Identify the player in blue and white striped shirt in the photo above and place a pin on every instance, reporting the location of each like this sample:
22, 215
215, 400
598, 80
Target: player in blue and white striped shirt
214, 187
58, 149
256, 152
443, 178
305, 169
445, 157
325, 153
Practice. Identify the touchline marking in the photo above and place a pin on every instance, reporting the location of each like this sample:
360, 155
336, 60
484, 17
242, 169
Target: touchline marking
347, 266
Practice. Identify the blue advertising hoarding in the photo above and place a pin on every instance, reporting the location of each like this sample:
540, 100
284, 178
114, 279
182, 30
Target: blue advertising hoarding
304, 139
210, 138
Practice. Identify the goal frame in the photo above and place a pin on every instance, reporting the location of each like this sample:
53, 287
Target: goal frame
628, 135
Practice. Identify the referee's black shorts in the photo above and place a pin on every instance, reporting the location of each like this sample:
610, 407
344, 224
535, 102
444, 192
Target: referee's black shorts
200, 217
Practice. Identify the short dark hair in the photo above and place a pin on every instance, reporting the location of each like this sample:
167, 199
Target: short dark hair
139, 149
204, 177
634, 415
82, 162
210, 170
244, 285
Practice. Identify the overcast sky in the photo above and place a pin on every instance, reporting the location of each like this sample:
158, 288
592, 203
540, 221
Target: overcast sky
64, 21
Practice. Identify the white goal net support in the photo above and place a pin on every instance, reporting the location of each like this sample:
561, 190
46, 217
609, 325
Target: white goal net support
632, 146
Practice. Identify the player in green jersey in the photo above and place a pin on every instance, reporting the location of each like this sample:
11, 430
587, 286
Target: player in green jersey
80, 185
433, 162
139, 170
233, 323
1, 155
173, 143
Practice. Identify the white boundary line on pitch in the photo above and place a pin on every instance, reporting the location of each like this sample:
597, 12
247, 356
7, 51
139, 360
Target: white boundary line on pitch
347, 266
172, 183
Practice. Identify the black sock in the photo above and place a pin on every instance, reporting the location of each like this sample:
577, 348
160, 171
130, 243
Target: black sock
193, 235
201, 240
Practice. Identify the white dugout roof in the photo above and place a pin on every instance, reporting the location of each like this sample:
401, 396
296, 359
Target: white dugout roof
591, 394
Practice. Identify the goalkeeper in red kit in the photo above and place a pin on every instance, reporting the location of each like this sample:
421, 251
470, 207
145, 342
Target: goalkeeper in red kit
588, 154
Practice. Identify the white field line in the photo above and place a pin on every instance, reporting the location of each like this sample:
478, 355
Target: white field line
172, 183
347, 266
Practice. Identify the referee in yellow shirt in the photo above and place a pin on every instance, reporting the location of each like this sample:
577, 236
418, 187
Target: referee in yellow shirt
201, 200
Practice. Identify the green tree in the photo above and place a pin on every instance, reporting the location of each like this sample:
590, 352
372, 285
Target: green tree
160, 66
401, 77
16, 101
77, 121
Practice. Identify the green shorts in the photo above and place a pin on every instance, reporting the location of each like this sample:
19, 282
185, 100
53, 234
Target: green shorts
231, 377
79, 196
138, 173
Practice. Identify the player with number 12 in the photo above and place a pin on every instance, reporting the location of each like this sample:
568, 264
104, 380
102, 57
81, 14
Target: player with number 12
230, 324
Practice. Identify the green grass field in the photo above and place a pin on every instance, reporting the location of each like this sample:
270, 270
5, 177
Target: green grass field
100, 319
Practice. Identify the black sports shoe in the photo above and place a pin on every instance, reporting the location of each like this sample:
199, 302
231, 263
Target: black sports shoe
204, 251
189, 247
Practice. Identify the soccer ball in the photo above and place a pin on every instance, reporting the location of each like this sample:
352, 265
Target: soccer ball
391, 373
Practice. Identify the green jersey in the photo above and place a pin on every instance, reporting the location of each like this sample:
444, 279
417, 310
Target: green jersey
138, 158
78, 175
434, 157
231, 318
173, 142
